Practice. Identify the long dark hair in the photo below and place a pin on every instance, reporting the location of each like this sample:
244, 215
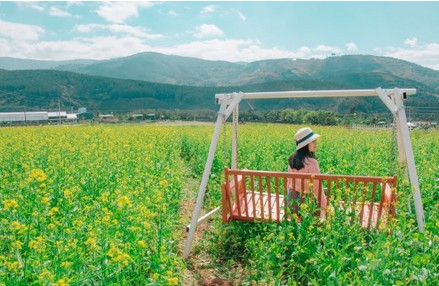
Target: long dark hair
297, 160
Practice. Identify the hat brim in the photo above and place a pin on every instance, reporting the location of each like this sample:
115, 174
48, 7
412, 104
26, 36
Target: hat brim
306, 142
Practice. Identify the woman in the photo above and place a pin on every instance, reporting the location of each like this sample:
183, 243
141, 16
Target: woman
303, 161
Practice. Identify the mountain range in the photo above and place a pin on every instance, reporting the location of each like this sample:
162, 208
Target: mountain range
152, 80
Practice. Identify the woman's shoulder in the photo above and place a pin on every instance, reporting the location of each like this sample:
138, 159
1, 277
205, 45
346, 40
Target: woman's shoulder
310, 160
312, 165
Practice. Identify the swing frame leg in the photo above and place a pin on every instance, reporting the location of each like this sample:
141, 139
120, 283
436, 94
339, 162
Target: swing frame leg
226, 108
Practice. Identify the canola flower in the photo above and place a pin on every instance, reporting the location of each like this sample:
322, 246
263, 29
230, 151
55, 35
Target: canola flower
102, 203
94, 182
10, 204
37, 175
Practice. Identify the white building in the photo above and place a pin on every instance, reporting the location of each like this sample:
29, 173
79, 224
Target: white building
24, 116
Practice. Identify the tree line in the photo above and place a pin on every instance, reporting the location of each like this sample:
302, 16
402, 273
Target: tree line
292, 116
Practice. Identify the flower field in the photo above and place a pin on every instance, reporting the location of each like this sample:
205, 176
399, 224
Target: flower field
100, 205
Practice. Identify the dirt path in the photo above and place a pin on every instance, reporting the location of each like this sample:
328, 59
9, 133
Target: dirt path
199, 269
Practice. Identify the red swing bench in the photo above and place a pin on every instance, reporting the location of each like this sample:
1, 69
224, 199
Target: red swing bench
249, 195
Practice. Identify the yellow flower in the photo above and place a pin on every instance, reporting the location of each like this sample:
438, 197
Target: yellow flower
163, 183
106, 219
146, 225
62, 282
141, 243
78, 223
37, 175
14, 266
37, 244
104, 197
91, 242
113, 251
17, 244
10, 204
294, 216
45, 200
123, 201
173, 281
66, 264
67, 193
303, 207
46, 275
19, 227
134, 228
53, 211
123, 258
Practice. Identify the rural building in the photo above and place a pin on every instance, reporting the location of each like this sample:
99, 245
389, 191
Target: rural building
24, 116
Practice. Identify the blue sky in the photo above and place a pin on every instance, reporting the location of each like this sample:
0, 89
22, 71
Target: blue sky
231, 31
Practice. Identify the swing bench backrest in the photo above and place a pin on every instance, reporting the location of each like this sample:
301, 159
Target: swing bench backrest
250, 195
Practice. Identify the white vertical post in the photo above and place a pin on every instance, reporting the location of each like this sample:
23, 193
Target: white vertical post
401, 152
407, 145
235, 138
196, 213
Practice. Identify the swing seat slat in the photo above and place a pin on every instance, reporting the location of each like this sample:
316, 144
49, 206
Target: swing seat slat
250, 195
260, 210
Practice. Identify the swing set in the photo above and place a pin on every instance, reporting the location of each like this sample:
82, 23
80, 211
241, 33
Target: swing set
254, 195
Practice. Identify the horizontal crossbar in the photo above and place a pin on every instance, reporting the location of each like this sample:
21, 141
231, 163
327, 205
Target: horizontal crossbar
311, 93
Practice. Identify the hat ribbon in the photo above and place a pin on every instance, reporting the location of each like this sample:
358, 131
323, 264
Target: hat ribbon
305, 138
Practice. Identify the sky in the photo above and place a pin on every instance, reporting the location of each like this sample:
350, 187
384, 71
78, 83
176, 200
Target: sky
230, 31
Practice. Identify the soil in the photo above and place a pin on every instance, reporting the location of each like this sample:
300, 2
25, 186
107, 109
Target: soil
199, 270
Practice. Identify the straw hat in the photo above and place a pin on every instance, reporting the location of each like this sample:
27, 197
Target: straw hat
304, 136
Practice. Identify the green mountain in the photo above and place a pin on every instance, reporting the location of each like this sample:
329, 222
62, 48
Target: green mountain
28, 90
170, 69
157, 81
9, 63
45, 89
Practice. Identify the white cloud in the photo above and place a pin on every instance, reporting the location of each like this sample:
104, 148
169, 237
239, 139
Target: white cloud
411, 42
119, 12
424, 55
321, 52
35, 6
172, 13
20, 32
81, 48
351, 47
240, 50
5, 48
209, 9
207, 30
242, 16
54, 11
118, 28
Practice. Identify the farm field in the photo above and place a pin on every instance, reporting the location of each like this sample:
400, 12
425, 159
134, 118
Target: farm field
100, 205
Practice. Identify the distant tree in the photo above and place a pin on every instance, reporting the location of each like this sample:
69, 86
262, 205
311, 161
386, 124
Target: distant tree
272, 116
321, 118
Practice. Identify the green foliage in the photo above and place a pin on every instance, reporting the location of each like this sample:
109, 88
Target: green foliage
335, 252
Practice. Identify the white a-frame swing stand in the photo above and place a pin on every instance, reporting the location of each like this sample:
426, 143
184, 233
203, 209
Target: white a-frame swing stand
229, 104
